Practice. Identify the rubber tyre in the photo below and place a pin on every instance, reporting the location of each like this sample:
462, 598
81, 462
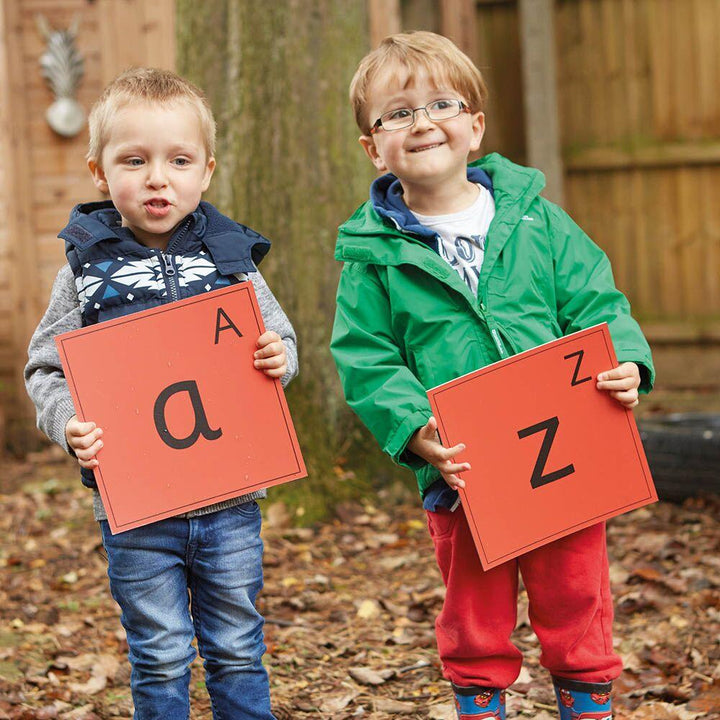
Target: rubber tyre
683, 451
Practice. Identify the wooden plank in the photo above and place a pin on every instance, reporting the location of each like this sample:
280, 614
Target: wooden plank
658, 155
711, 224
663, 79
630, 75
385, 19
542, 129
499, 60
421, 15
158, 29
13, 121
643, 289
708, 64
458, 22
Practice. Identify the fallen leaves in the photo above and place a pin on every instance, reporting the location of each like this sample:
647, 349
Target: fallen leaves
350, 607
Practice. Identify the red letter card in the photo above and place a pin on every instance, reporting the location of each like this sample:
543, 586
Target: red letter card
187, 419
550, 453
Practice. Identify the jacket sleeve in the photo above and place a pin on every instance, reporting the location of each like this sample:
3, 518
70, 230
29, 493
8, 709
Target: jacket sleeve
275, 319
586, 295
44, 376
376, 381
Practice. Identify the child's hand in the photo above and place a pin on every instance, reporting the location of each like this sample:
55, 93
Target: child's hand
270, 356
85, 440
622, 383
426, 443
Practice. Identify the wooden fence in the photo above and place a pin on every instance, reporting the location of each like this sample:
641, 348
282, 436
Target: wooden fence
639, 116
43, 174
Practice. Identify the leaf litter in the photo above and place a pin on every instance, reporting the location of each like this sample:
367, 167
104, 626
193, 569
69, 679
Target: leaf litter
350, 606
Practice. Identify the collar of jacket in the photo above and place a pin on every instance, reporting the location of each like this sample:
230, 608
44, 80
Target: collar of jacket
234, 248
371, 237
386, 196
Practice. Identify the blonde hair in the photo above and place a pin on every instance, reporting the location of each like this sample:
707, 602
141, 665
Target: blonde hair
149, 85
417, 50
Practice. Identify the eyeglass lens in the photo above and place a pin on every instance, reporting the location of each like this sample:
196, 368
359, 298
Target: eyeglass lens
437, 111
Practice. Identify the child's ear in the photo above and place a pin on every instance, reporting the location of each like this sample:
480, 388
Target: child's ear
209, 170
371, 151
478, 125
98, 175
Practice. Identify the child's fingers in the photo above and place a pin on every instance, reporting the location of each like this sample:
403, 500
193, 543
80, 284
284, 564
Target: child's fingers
79, 429
625, 383
444, 453
275, 361
86, 452
270, 336
452, 468
629, 398
86, 456
625, 370
277, 372
83, 442
454, 481
273, 348
428, 432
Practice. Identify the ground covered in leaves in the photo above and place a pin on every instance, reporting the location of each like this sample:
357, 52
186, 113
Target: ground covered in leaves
350, 607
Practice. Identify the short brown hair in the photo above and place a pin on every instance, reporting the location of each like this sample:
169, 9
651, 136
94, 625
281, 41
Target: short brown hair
435, 54
150, 85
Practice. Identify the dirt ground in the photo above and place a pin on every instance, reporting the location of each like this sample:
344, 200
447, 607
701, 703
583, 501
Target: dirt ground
350, 606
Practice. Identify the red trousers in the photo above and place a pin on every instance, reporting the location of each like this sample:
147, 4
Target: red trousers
570, 607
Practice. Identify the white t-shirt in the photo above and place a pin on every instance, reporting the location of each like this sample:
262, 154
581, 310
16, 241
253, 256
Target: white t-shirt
462, 236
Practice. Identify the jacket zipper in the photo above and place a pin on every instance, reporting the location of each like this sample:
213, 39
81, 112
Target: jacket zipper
170, 270
494, 331
170, 273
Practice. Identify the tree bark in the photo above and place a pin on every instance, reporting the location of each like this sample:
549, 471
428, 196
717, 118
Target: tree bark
289, 166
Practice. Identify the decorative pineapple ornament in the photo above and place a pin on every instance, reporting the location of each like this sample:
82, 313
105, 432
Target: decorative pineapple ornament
62, 67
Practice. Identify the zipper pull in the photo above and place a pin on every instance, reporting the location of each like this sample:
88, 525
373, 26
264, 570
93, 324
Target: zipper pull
169, 268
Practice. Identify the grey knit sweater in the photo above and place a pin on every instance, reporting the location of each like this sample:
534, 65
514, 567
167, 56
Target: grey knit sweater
48, 389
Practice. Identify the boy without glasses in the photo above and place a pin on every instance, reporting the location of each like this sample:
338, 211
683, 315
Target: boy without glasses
449, 267
152, 143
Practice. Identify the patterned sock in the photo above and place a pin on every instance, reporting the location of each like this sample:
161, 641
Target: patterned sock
479, 703
583, 701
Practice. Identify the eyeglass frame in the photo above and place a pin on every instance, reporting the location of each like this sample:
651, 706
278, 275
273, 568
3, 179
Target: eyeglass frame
377, 125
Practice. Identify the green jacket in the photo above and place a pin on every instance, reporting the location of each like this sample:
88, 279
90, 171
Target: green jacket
406, 321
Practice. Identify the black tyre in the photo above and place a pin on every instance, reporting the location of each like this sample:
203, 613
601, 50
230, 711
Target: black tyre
683, 451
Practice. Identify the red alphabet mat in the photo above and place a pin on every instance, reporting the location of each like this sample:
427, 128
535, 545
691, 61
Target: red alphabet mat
187, 419
550, 453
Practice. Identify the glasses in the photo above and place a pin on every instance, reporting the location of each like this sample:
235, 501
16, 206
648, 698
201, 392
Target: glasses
437, 111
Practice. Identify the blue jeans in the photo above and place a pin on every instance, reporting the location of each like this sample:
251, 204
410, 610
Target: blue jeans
185, 577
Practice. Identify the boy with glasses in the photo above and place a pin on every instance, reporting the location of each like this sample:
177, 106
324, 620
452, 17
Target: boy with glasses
450, 267
152, 147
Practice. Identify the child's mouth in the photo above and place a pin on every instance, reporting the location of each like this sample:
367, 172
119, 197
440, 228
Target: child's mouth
157, 207
426, 147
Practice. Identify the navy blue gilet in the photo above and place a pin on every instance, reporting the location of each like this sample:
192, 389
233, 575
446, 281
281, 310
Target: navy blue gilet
116, 275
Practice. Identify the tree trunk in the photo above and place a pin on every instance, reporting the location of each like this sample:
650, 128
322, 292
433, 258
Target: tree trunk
289, 166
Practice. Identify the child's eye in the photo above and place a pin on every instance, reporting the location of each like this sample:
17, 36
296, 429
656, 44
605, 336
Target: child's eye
182, 161
443, 104
399, 114
134, 161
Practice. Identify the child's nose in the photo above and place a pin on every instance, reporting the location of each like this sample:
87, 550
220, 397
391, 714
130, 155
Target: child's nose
422, 121
157, 177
